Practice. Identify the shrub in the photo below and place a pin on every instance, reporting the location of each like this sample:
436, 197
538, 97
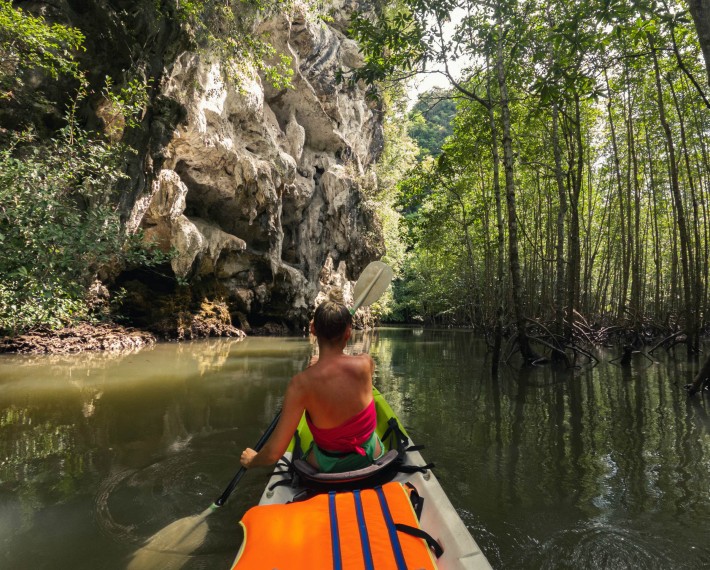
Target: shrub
59, 224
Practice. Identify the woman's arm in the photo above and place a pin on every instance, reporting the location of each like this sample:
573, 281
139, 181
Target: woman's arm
276, 445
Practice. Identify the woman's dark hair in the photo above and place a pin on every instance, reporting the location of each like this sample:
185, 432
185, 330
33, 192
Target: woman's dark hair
332, 316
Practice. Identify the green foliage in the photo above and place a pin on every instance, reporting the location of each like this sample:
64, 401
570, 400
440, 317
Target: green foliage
431, 121
59, 223
398, 157
227, 29
393, 42
28, 42
128, 102
58, 227
591, 65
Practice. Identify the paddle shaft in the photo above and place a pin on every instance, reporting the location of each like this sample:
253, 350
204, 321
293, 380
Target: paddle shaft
238, 477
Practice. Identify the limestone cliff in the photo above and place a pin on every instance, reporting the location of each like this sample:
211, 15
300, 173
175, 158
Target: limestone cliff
258, 191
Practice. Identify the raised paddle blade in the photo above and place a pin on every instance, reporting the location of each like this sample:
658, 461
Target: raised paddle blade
373, 281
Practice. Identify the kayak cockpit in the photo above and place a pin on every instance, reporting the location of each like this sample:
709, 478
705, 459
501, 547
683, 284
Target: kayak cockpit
295, 471
294, 482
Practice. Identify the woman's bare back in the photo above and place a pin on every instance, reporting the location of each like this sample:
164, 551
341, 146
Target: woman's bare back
337, 388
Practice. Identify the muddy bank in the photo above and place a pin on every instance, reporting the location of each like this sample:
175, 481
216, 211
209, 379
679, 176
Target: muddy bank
212, 320
80, 338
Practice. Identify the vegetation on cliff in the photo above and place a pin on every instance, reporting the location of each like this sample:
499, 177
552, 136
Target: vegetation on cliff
58, 225
68, 131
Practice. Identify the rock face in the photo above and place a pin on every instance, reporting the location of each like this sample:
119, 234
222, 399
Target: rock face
258, 191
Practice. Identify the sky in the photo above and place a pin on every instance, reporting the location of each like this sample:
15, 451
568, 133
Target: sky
425, 82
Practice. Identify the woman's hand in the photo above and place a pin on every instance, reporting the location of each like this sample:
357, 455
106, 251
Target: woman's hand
247, 457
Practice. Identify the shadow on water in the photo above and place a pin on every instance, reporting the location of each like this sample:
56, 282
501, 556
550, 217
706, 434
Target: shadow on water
104, 461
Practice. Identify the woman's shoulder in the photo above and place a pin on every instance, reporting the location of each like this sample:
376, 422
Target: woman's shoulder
363, 361
364, 357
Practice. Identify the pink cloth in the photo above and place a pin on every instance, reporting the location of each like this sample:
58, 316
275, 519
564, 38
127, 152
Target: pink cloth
348, 436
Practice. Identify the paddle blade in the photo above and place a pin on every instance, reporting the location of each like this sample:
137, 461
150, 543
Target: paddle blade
173, 545
373, 281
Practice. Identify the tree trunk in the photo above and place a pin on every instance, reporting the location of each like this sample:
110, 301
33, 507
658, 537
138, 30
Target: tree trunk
700, 10
574, 253
690, 320
657, 259
624, 234
635, 244
560, 293
694, 259
517, 288
703, 167
500, 267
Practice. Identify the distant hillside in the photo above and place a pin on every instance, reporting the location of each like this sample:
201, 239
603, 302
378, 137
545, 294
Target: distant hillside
431, 120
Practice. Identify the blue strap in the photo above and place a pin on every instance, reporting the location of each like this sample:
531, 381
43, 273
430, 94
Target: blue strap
364, 539
391, 530
334, 536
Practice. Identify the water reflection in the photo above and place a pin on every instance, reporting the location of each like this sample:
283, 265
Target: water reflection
594, 468
545, 454
128, 444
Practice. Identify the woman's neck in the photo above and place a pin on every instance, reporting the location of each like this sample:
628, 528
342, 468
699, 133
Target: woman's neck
330, 350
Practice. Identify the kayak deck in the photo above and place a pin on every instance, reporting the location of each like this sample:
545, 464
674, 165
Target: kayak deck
439, 517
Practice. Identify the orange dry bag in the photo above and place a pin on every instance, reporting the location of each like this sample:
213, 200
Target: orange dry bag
359, 530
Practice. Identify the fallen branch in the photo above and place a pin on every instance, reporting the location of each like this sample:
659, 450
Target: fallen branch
665, 340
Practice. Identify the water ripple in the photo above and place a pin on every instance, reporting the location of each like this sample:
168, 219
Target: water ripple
600, 546
132, 503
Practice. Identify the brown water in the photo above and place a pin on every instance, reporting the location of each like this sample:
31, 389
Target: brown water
600, 468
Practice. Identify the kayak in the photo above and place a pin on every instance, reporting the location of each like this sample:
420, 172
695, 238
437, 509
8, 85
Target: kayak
401, 472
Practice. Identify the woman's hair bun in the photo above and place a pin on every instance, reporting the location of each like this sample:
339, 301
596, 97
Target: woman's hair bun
335, 295
332, 317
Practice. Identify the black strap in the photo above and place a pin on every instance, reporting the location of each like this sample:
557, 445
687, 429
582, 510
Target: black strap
419, 533
416, 468
303, 495
297, 449
283, 462
335, 454
415, 448
281, 483
283, 468
387, 433
394, 431
416, 499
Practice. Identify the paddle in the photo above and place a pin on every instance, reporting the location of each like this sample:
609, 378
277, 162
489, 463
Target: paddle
187, 534
238, 477
374, 279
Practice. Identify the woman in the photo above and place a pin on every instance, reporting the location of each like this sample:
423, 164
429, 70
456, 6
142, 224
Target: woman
336, 393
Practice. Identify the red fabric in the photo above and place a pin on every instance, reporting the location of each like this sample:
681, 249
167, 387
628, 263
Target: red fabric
348, 436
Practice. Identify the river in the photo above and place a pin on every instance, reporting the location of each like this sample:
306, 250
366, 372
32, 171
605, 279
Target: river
600, 467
